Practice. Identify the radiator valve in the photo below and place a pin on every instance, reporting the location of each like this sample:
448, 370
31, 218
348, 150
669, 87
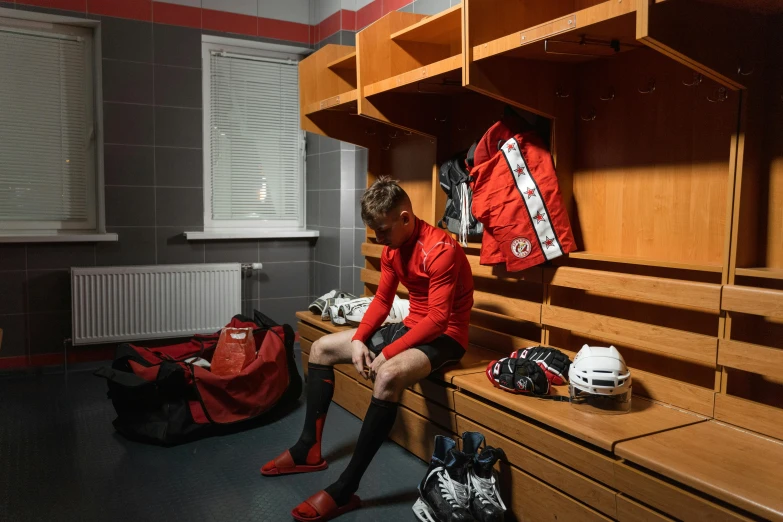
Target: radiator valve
247, 268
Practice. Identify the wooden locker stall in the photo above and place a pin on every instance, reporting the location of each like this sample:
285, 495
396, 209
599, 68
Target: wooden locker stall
663, 119
748, 59
410, 75
643, 149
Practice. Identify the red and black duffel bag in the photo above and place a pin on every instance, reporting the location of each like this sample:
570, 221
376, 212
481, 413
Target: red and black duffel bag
161, 398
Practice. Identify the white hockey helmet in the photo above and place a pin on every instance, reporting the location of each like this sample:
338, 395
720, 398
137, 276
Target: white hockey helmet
600, 380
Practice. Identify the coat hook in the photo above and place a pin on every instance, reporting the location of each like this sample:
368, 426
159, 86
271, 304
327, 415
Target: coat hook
610, 95
393, 135
650, 87
387, 147
697, 79
721, 95
407, 133
590, 116
743, 73
560, 94
441, 120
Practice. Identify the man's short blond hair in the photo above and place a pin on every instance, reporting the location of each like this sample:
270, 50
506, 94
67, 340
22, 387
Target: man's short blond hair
383, 196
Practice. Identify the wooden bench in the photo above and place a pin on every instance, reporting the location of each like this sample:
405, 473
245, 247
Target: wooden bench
565, 464
740, 468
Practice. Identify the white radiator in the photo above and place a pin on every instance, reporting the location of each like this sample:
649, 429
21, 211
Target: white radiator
152, 302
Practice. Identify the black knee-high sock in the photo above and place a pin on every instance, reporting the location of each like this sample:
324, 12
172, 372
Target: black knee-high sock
376, 427
320, 389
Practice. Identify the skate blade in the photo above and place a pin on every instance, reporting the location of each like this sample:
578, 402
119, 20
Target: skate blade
422, 512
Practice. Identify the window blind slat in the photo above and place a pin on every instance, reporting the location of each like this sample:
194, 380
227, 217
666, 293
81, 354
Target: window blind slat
44, 142
254, 140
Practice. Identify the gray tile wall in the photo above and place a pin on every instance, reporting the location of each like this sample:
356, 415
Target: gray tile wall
336, 178
154, 192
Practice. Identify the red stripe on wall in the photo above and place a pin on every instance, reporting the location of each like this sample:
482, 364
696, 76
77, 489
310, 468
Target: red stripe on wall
69, 5
56, 359
11, 363
173, 14
132, 9
283, 30
393, 5
229, 22
329, 26
348, 20
368, 14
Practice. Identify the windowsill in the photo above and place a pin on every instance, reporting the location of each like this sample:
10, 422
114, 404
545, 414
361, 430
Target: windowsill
250, 234
58, 238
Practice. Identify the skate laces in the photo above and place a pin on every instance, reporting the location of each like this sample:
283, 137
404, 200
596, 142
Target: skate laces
486, 489
456, 494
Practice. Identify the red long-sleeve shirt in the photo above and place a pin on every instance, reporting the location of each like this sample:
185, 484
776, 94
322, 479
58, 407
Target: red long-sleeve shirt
434, 269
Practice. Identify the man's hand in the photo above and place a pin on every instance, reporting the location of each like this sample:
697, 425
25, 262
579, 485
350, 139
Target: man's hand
376, 365
361, 358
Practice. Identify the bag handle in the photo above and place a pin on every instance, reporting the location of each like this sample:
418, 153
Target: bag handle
263, 320
128, 380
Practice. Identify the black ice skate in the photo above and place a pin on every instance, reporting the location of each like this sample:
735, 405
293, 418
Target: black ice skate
485, 502
444, 493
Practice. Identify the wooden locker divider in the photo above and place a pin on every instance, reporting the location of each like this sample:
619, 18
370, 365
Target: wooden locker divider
752, 398
758, 210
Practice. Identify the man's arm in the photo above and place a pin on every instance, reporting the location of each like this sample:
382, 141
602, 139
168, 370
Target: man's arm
443, 282
379, 308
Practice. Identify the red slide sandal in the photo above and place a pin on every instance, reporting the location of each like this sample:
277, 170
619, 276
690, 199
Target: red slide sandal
324, 506
284, 465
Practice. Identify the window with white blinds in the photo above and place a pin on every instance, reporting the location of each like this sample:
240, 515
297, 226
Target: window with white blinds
47, 152
254, 172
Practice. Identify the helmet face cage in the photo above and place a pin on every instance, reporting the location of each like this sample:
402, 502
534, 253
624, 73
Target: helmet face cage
601, 382
605, 404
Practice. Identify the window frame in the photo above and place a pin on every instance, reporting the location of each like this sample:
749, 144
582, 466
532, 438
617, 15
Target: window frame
261, 50
94, 227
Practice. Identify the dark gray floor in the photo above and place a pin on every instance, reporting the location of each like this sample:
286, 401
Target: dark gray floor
61, 460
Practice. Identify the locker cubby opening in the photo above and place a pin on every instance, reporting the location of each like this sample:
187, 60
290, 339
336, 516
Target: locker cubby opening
644, 146
402, 48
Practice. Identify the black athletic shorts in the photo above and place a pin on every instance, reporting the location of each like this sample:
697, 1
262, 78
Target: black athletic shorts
441, 351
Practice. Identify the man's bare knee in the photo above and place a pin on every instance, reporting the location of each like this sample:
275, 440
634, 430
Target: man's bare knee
331, 349
389, 384
319, 352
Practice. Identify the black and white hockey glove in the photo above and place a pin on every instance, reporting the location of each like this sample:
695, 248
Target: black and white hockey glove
518, 376
554, 362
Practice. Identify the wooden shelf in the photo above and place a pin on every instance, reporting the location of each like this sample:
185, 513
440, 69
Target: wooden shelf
444, 28
347, 62
427, 72
761, 272
532, 274
603, 431
594, 256
605, 22
345, 101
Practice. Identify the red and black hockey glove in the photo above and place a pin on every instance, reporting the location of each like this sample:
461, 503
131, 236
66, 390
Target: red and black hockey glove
518, 376
554, 362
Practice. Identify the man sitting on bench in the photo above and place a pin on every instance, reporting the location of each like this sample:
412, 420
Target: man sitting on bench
434, 269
